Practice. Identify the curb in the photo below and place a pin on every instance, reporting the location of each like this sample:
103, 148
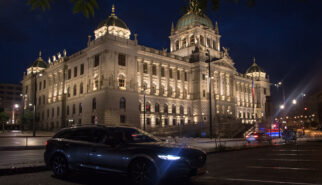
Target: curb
14, 148
15, 171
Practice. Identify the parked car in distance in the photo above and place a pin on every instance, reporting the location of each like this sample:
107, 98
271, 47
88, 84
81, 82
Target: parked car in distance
258, 137
126, 150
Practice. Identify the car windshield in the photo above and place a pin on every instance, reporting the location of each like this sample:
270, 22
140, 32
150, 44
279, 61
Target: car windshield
131, 135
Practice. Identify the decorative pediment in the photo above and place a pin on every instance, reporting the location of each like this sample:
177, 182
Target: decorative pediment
225, 62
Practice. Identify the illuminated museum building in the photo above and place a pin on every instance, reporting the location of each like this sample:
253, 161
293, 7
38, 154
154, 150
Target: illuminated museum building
106, 82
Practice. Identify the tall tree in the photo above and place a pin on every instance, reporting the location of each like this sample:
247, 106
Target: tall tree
86, 7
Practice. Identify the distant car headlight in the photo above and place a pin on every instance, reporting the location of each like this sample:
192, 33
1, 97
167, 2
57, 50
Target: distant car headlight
169, 157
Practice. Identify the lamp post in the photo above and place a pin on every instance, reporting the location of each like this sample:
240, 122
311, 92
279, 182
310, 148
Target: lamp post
144, 88
209, 86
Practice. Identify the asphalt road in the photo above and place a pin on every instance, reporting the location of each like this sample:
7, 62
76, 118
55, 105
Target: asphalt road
287, 164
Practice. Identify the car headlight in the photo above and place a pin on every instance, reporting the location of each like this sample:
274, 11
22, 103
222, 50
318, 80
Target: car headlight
169, 157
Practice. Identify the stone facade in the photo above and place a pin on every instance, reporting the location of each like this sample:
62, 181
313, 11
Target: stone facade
107, 81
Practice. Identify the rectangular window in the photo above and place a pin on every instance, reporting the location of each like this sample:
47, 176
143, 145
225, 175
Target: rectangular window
203, 77
52, 112
122, 118
96, 60
67, 110
208, 42
170, 73
121, 60
44, 84
264, 91
203, 93
185, 76
154, 69
178, 75
162, 72
39, 86
81, 69
75, 71
58, 111
47, 113
69, 74
74, 109
145, 68
26, 89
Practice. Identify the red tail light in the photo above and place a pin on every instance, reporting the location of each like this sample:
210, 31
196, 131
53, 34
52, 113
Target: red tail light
255, 136
46, 143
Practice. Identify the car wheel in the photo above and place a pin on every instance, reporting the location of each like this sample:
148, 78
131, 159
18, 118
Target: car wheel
59, 165
143, 172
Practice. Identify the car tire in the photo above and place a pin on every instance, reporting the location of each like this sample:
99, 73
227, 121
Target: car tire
143, 172
59, 166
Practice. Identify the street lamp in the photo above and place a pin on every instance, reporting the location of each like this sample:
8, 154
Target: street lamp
294, 102
14, 107
144, 88
282, 106
210, 108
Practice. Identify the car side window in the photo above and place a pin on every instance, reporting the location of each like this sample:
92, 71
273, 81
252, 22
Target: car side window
65, 134
100, 135
83, 134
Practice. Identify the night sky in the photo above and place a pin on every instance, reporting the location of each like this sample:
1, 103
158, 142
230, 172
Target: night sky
283, 35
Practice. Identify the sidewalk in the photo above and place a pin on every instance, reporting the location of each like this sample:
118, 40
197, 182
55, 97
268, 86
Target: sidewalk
18, 133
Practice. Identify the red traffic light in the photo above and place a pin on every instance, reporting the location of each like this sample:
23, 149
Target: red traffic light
305, 108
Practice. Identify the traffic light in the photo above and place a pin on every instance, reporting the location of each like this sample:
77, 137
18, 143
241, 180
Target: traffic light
305, 108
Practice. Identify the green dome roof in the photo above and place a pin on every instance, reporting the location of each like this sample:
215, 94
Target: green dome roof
39, 62
190, 19
254, 68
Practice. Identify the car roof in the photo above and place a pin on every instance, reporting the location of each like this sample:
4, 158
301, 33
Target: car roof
97, 126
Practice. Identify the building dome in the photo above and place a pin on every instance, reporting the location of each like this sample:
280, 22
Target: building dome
113, 26
39, 62
113, 20
254, 68
191, 19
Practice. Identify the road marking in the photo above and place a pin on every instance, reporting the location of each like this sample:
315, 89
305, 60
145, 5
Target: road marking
282, 168
288, 154
293, 150
289, 160
258, 181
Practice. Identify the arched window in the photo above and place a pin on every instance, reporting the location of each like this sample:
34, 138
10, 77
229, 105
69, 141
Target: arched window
122, 103
81, 88
157, 107
68, 91
121, 81
184, 43
174, 109
74, 90
192, 40
147, 107
177, 45
80, 108
165, 108
181, 109
94, 104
